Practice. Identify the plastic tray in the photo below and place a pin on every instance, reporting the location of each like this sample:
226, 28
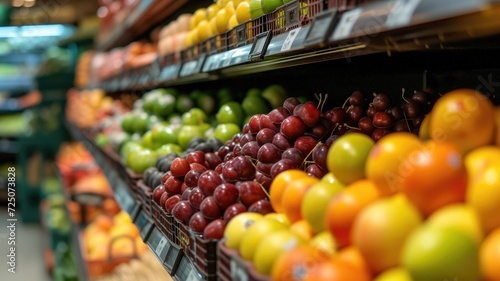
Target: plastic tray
343, 5
244, 33
292, 15
164, 221
228, 261
201, 252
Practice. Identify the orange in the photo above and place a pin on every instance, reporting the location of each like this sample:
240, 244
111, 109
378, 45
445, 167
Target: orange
110, 207
489, 256
353, 256
384, 160
294, 264
484, 197
344, 208
279, 184
303, 229
294, 195
335, 270
433, 176
463, 117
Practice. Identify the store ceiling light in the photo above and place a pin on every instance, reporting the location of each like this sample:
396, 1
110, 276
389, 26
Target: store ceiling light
29, 3
17, 3
52, 30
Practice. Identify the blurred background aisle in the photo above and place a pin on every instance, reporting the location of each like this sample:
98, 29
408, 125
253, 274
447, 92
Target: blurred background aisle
30, 251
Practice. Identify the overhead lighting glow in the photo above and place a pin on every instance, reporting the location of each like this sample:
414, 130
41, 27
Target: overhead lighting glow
53, 30
29, 3
17, 3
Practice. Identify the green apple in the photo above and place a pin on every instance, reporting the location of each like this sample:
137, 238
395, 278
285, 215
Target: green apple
441, 254
394, 274
164, 105
153, 121
253, 92
346, 158
128, 122
255, 9
166, 134
139, 160
129, 147
194, 116
269, 6
101, 140
224, 96
147, 141
188, 132
168, 148
460, 216
141, 122
237, 226
255, 105
381, 229
225, 132
256, 233
184, 103
230, 112
275, 95
316, 201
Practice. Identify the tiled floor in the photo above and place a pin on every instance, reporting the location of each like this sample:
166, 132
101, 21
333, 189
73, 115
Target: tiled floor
30, 264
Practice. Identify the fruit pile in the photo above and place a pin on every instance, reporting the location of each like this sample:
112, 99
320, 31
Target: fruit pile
164, 121
404, 208
112, 233
217, 18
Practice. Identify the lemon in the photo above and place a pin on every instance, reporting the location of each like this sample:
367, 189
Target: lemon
212, 11
233, 22
222, 20
198, 16
204, 30
243, 12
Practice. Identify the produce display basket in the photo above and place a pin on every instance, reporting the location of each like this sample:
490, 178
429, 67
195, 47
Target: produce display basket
244, 33
231, 265
292, 15
145, 199
215, 44
164, 221
100, 267
201, 252
343, 5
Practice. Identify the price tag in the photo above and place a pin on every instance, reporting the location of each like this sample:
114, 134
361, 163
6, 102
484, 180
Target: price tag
124, 199
259, 46
188, 68
238, 270
170, 72
161, 245
193, 276
321, 28
227, 59
402, 12
173, 258
89, 199
211, 63
144, 224
287, 45
346, 23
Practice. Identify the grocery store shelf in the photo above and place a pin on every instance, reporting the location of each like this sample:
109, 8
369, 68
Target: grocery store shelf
170, 255
10, 146
147, 14
374, 27
75, 232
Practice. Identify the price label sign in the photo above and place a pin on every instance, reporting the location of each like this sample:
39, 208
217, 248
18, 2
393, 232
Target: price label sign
185, 270
321, 28
287, 45
144, 224
188, 68
238, 270
259, 46
401, 13
124, 199
346, 23
193, 276
92, 199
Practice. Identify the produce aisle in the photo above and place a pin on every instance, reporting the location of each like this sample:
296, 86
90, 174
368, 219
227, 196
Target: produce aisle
280, 140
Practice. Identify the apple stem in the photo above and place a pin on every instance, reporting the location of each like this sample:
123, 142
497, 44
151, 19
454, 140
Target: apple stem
350, 127
334, 128
263, 189
403, 95
309, 154
323, 103
345, 103
406, 121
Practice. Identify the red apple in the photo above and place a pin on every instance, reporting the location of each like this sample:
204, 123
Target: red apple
215, 230
210, 209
